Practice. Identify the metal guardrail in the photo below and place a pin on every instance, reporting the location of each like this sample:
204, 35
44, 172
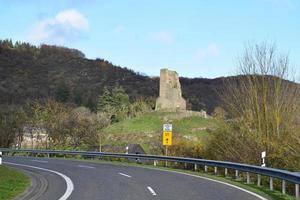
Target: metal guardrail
283, 175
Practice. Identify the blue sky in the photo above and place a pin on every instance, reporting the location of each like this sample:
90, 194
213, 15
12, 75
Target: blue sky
200, 38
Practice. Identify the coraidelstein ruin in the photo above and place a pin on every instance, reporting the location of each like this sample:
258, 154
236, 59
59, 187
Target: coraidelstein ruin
170, 97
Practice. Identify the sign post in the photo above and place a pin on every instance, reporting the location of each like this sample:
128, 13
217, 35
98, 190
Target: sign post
263, 156
167, 137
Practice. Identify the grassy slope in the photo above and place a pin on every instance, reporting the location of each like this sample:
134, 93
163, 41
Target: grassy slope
12, 183
148, 128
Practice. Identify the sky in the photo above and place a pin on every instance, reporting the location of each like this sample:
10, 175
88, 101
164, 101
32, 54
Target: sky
197, 38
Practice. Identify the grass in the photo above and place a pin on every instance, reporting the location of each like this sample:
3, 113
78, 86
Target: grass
262, 190
147, 128
153, 122
149, 122
12, 183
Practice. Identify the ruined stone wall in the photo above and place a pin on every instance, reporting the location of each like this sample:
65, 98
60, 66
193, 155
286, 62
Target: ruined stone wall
169, 92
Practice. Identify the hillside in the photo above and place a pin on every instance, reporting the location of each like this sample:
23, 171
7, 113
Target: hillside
146, 130
28, 72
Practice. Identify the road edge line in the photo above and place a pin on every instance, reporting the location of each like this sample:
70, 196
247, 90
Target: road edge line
210, 179
70, 185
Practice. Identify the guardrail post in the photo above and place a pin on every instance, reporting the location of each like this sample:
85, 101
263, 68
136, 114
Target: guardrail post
248, 178
185, 165
0, 157
258, 180
236, 174
196, 167
216, 170
271, 184
205, 168
226, 172
283, 186
154, 162
297, 195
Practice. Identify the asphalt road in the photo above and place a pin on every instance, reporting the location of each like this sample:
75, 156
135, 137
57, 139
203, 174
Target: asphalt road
67, 179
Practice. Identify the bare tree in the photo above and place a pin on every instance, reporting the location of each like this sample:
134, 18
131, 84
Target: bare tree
263, 105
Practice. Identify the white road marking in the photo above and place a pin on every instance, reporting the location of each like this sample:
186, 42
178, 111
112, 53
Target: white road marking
228, 184
124, 175
70, 185
151, 191
86, 166
40, 161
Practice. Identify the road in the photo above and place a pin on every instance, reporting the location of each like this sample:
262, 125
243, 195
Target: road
80, 180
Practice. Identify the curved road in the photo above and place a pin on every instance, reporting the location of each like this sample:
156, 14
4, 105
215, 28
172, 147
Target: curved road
83, 180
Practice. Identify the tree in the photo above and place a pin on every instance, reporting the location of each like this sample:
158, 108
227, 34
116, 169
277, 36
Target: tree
119, 97
84, 128
138, 107
78, 100
263, 106
7, 43
105, 101
62, 93
48, 117
115, 103
11, 124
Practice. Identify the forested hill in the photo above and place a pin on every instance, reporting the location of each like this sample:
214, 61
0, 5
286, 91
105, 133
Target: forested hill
28, 72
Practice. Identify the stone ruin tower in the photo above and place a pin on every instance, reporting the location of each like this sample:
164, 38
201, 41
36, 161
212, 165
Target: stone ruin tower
170, 98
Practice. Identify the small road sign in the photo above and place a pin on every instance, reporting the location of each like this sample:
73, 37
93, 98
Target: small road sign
167, 138
167, 127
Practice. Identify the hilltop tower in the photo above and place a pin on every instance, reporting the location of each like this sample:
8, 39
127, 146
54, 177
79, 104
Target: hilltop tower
170, 98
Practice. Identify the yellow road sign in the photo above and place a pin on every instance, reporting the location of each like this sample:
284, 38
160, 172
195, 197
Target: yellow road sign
167, 138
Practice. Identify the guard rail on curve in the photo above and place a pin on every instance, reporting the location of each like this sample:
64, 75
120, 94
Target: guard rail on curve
265, 171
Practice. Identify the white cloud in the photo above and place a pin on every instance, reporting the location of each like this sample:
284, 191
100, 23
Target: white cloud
212, 50
164, 37
67, 25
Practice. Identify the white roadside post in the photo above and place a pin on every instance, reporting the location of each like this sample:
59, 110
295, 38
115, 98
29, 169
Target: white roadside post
0, 157
127, 148
297, 195
263, 157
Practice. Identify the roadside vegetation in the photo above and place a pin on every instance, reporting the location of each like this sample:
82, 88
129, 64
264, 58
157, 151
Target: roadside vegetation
262, 112
259, 112
56, 125
12, 183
